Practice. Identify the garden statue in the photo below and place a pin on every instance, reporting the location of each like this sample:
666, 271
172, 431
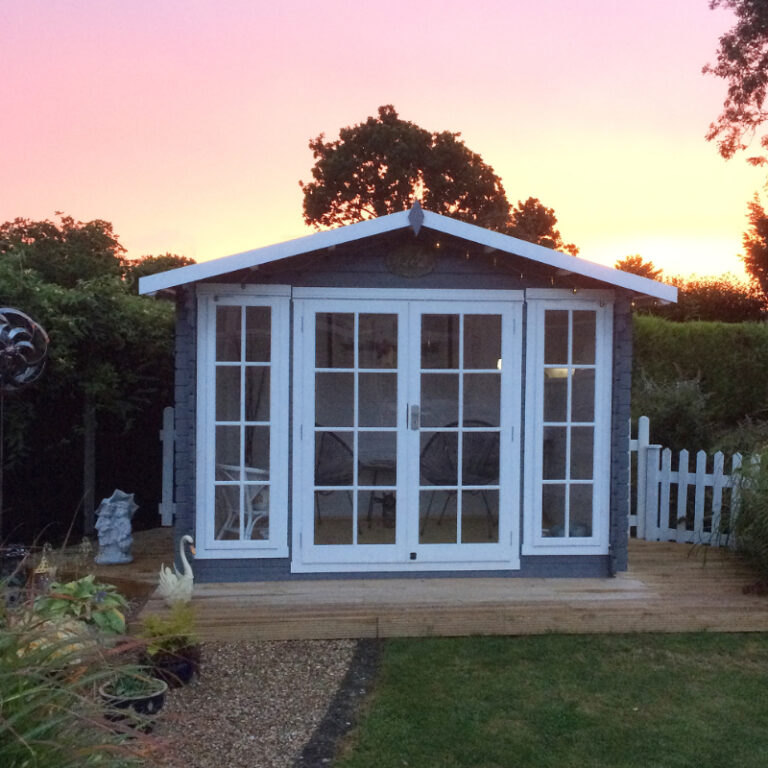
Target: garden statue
114, 528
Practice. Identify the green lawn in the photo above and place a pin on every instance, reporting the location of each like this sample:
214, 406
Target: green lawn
601, 700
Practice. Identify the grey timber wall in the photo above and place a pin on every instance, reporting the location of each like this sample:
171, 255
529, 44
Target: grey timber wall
458, 265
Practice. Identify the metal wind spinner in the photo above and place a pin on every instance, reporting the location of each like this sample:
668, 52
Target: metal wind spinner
23, 349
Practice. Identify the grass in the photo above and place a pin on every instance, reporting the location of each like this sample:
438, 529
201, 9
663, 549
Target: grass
558, 701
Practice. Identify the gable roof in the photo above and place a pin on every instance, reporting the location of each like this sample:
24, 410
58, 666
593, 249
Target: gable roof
415, 218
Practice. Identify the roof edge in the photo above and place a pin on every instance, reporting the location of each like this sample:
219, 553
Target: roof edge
550, 257
402, 220
324, 239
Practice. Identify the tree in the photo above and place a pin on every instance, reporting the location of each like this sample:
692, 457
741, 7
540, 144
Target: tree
133, 269
533, 221
755, 242
637, 266
722, 299
742, 61
65, 253
382, 165
110, 356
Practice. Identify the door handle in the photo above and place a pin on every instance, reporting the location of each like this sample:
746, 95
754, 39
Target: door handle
414, 417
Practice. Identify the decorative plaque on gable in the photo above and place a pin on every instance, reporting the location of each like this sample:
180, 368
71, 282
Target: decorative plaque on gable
410, 260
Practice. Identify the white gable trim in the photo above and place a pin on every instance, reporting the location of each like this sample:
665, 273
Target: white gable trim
391, 223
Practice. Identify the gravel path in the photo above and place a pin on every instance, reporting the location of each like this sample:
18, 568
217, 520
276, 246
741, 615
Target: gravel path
256, 704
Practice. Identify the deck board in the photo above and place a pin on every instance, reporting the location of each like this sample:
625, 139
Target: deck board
665, 590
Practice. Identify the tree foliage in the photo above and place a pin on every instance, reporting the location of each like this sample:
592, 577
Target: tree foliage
144, 266
66, 253
742, 61
755, 243
721, 298
533, 221
108, 347
382, 165
636, 265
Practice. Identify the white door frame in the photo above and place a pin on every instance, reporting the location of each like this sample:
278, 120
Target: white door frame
409, 305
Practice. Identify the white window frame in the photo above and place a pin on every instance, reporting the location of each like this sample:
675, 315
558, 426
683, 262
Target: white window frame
537, 302
277, 297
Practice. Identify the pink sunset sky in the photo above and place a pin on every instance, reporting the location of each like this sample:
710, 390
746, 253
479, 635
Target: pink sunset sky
185, 122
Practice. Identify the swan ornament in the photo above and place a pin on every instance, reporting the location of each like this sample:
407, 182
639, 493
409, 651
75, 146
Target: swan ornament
175, 587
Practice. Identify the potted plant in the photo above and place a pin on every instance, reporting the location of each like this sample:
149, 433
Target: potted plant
172, 648
135, 690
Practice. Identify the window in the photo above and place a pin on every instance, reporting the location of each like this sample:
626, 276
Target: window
242, 423
568, 424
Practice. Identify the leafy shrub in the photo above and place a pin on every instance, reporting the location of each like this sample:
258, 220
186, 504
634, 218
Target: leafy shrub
676, 409
86, 600
171, 633
50, 716
749, 437
751, 524
730, 362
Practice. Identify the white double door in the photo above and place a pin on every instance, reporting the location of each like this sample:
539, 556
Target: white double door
406, 428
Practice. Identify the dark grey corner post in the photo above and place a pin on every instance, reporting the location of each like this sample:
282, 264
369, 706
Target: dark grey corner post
620, 415
185, 418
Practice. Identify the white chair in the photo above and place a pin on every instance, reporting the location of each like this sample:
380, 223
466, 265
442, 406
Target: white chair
255, 502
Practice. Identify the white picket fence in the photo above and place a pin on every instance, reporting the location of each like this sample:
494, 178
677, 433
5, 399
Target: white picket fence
680, 503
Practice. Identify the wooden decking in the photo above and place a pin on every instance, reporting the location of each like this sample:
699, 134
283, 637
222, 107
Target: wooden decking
665, 590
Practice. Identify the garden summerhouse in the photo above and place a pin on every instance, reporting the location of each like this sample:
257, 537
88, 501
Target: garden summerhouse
406, 395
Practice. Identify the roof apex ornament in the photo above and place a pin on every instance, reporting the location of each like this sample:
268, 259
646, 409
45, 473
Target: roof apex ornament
416, 217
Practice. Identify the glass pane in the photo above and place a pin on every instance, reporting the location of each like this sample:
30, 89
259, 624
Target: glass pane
333, 517
437, 517
226, 515
580, 513
377, 399
256, 511
584, 337
333, 458
227, 393
553, 510
583, 395
439, 399
554, 453
482, 341
479, 517
378, 341
555, 394
378, 458
257, 393
582, 450
480, 458
334, 340
258, 334
228, 334
256, 453
482, 399
556, 337
440, 341
228, 453
439, 458
334, 399
380, 511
